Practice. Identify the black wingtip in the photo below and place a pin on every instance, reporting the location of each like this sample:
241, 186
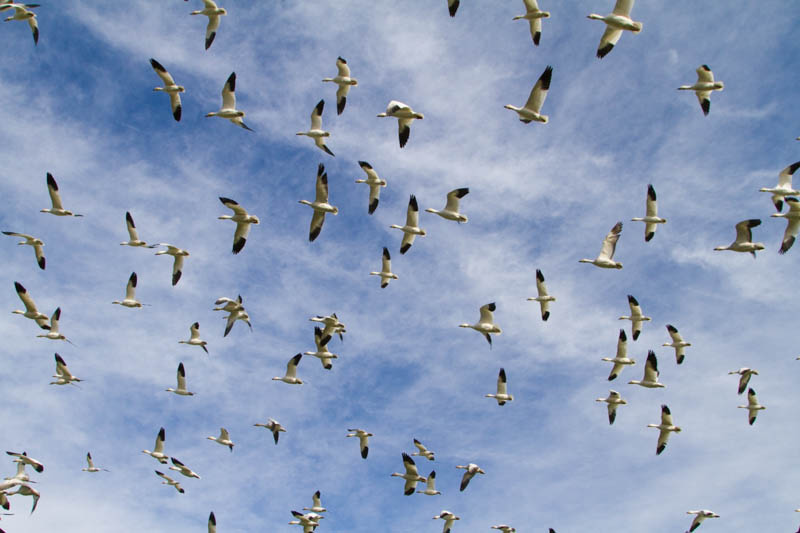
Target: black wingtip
649, 236
373, 205
365, 452
314, 234
404, 248
340, 105
156, 65
603, 52
452, 8
492, 307
177, 114
239, 244
319, 107
545, 315
404, 134
545, 77
612, 377
210, 40
636, 334
51, 182
176, 277
536, 37
231, 82
706, 105
328, 366
41, 263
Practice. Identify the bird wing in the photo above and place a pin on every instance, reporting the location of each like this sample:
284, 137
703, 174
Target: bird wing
539, 91
175, 104
410, 465
52, 188
636, 309
211, 29
610, 242
181, 377
541, 288
651, 367
229, 89
386, 262
322, 185
536, 30
291, 366
177, 268
453, 198
317, 219
131, 226
223, 434
785, 177
130, 289
744, 232
530, 5
704, 97
792, 227
502, 382
674, 334
752, 400
234, 205
316, 115
374, 197
743, 381
162, 72
704, 74
623, 7
341, 98
194, 331
404, 130
666, 416
487, 316
27, 301
212, 523
159, 447
652, 205
608, 40
465, 479
341, 65
89, 459
240, 236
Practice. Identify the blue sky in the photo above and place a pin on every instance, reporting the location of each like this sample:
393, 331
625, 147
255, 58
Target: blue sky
80, 105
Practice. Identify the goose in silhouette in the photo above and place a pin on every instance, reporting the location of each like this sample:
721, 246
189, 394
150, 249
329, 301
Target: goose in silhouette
213, 13
320, 204
651, 217
181, 390
30, 240
613, 400
363, 440
784, 186
228, 109
606, 257
174, 91
485, 325
386, 269
677, 342
316, 132
534, 17
744, 238
344, 81
616, 22
57, 208
375, 183
177, 265
275, 427
502, 395
532, 108
410, 475
744, 377
636, 317
542, 297
665, 428
650, 379
703, 86
753, 407
404, 115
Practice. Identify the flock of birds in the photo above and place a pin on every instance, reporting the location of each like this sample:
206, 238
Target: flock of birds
615, 24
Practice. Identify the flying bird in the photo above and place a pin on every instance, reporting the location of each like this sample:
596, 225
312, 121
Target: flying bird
665, 428
181, 390
404, 115
228, 109
291, 372
316, 505
363, 440
448, 518
606, 257
703, 86
21, 12
57, 208
410, 475
636, 317
169, 87
616, 22
30, 240
422, 451
534, 17
450, 211
344, 81
411, 229
91, 467
212, 520
744, 377
213, 13
542, 297
233, 316
753, 407
502, 395
430, 485
243, 221
485, 325
224, 439
701, 515
30, 308
784, 186
26, 459
53, 333
130, 293
471, 470
650, 379
275, 427
133, 234
744, 238
316, 132
63, 375
613, 400
792, 223
677, 342
651, 217
332, 325
375, 183
386, 269
169, 481
158, 451
194, 339
320, 204
183, 469
532, 108
177, 265
324, 355
27, 490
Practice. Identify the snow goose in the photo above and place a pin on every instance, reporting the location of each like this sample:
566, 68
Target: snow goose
534, 17
243, 221
701, 515
651, 217
422, 451
53, 333
605, 258
505, 529
91, 467
30, 307
181, 390
665, 427
228, 109
613, 400
169, 481
177, 265
784, 186
27, 490
194, 339
531, 110
744, 238
291, 372
448, 518
228, 304
212, 520
542, 297
386, 269
322, 352
130, 293
158, 451
636, 317
213, 13
224, 439
404, 115
502, 395
703, 86
308, 520
618, 20
471, 470
344, 81
57, 208
485, 325
21, 475
169, 87
316, 505
792, 223
26, 459
410, 475
31, 241
450, 211
320, 204
237, 314
332, 325
274, 426
753, 407
677, 342
316, 132
63, 375
363, 440
452, 6
745, 374
411, 229
650, 379
21, 13
182, 468
430, 485
375, 183
134, 235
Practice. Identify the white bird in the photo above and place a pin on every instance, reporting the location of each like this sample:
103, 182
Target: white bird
618, 20
753, 407
542, 297
21, 475
404, 115
621, 358
213, 13
21, 13
30, 240
158, 451
613, 400
665, 427
606, 257
27, 490
182, 468
229, 304
502, 395
316, 132
224, 439
134, 235
448, 518
375, 183
212, 520
651, 217
177, 265
169, 481
53, 333
316, 505
701, 515
181, 390
450, 211
386, 269
703, 86
471, 470
169, 87
744, 238
745, 375
534, 17
677, 342
485, 325
411, 229
237, 314
30, 308
274, 426
344, 81
228, 109
63, 375
322, 352
792, 223
636, 317
452, 6
320, 204
194, 339
430, 485
55, 199
308, 520
650, 379
26, 459
505, 529
291, 371
332, 325
130, 293
410, 475
91, 467
532, 108
363, 440
422, 451
243, 221
784, 186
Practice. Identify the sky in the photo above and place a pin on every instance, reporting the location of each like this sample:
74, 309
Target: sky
80, 105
